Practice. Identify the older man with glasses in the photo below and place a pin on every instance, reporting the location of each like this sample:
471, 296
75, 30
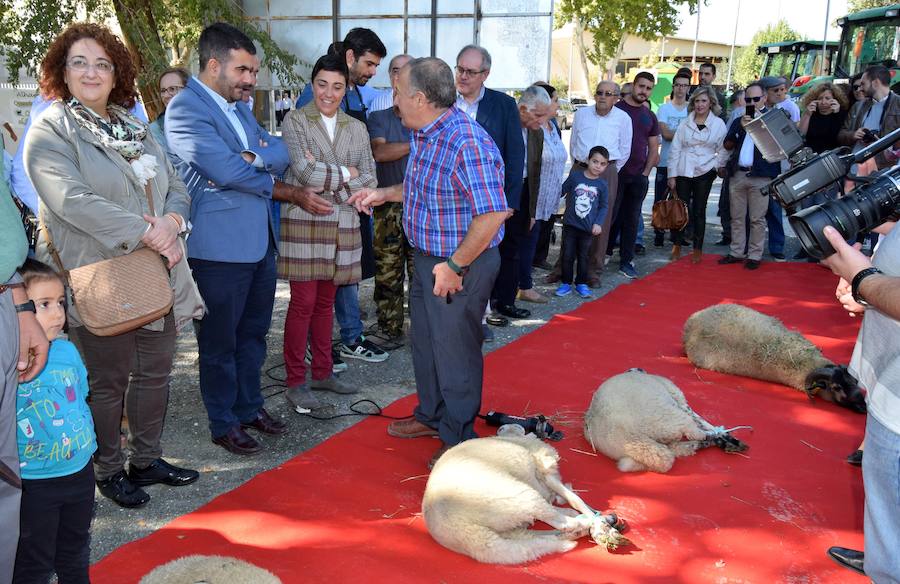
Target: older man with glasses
608, 126
498, 114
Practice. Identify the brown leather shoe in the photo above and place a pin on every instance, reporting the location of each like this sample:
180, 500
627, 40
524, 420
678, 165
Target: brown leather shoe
237, 441
410, 428
676, 252
552, 278
439, 453
696, 256
266, 423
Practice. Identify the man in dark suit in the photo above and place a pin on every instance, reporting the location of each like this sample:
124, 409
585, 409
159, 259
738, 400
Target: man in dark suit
498, 114
227, 160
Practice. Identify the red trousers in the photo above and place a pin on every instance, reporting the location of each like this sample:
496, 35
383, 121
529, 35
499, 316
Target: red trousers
309, 316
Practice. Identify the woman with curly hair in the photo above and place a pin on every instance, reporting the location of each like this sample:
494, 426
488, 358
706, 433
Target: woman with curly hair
695, 156
824, 109
95, 168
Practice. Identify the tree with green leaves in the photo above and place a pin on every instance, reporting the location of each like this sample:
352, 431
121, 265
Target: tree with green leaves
159, 33
748, 63
857, 5
611, 22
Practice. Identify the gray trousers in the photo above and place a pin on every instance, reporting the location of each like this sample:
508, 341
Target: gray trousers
146, 358
9, 452
446, 345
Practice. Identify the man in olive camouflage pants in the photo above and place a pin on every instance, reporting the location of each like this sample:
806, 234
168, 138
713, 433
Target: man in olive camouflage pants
392, 254
390, 147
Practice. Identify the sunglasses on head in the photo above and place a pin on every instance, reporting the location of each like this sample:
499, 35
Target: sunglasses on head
752, 99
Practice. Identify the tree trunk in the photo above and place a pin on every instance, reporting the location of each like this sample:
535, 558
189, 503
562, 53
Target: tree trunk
141, 37
613, 61
582, 54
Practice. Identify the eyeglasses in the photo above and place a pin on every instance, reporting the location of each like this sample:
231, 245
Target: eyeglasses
607, 93
171, 90
752, 99
102, 67
463, 72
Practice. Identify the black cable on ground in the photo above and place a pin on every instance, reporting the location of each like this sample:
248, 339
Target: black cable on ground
353, 411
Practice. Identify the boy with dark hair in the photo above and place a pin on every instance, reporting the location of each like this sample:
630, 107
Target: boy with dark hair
55, 436
587, 197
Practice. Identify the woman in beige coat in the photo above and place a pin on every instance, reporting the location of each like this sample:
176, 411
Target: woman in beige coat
92, 165
318, 253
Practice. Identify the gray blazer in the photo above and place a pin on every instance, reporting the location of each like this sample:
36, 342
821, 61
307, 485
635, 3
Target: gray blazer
90, 198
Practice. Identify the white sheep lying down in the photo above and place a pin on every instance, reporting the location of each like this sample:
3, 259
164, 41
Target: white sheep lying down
483, 494
734, 339
643, 422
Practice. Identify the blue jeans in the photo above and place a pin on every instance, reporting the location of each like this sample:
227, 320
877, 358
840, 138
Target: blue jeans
346, 310
881, 480
774, 221
527, 247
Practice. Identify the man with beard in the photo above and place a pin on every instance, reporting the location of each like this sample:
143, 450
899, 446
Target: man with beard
227, 161
633, 178
878, 115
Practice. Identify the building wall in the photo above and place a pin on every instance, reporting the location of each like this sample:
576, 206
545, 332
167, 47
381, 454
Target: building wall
565, 62
513, 31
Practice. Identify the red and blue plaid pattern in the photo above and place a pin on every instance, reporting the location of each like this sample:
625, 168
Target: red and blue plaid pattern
455, 172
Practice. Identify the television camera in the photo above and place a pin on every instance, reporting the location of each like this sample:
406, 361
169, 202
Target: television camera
875, 199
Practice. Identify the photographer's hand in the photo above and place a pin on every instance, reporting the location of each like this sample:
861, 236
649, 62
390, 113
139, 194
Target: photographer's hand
844, 295
847, 261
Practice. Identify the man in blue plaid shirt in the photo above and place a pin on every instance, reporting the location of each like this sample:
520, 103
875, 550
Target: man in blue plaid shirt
453, 213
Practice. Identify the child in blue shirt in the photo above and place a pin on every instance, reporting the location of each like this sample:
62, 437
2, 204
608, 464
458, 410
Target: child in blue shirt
587, 197
55, 435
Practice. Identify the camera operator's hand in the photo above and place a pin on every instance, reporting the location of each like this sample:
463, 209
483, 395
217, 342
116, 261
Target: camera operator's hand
847, 261
844, 295
885, 227
745, 120
859, 134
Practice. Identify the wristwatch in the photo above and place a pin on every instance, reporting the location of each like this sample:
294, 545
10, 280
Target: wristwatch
458, 270
857, 280
27, 306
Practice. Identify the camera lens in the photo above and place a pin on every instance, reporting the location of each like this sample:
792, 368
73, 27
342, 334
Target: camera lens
864, 208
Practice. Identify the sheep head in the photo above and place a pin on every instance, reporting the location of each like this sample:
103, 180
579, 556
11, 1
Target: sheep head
835, 384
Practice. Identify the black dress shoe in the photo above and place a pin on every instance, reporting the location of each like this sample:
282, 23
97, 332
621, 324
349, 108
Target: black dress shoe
850, 559
856, 458
723, 241
238, 442
543, 265
511, 311
730, 259
160, 471
266, 423
639, 250
496, 320
122, 491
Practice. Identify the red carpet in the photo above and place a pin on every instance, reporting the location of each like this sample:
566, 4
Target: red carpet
347, 510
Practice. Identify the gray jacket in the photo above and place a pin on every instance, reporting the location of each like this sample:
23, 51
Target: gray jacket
90, 198
890, 121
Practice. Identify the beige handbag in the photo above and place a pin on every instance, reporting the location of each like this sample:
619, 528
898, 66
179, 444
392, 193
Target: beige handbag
120, 294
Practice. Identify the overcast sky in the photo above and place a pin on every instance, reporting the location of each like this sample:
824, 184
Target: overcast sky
717, 19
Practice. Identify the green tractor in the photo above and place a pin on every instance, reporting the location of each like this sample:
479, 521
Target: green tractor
868, 37
793, 59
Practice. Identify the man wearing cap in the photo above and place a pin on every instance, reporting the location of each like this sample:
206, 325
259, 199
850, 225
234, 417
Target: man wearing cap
776, 96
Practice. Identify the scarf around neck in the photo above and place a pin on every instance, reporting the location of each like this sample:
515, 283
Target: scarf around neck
122, 132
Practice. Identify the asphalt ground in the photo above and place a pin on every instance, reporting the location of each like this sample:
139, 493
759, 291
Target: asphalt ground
186, 438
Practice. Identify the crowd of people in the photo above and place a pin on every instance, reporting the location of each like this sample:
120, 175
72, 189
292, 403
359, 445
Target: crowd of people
439, 182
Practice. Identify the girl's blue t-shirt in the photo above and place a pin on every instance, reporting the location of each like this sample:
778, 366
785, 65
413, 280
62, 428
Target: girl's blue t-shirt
55, 430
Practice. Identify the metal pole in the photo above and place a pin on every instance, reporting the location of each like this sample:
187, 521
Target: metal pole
737, 16
696, 35
822, 70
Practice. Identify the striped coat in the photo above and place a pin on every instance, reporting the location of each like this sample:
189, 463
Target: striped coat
324, 247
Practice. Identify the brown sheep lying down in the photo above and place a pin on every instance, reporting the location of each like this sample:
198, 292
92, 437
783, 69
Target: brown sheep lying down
484, 494
734, 339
